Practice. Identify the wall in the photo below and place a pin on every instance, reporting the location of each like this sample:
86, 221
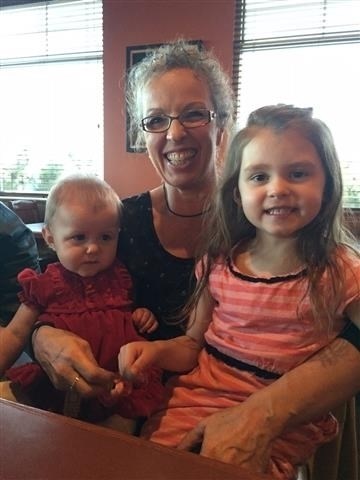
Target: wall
140, 22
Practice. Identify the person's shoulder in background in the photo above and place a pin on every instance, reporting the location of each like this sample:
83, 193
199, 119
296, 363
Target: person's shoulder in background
18, 250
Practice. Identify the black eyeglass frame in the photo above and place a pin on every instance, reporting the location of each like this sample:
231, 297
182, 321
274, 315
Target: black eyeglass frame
211, 116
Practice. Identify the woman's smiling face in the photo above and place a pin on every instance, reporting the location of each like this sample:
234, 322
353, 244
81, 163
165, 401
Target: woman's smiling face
183, 157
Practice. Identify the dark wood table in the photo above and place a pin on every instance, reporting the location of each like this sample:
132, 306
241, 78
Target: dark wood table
38, 445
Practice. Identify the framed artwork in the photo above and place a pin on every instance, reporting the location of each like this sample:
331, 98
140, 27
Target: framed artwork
135, 54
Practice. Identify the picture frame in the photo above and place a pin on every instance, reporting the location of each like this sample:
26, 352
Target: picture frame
135, 54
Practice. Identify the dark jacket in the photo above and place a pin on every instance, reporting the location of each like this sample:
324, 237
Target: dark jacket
18, 250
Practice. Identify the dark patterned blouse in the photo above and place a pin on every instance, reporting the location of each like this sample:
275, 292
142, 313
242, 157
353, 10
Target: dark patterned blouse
162, 282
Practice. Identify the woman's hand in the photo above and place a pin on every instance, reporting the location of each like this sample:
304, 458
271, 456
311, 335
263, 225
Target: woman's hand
240, 435
243, 434
68, 361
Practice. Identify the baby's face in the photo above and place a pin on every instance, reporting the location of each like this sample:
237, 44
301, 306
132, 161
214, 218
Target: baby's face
85, 240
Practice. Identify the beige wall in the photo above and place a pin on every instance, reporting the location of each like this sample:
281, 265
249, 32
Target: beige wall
140, 22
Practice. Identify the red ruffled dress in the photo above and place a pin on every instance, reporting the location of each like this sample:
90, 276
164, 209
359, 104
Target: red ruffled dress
98, 309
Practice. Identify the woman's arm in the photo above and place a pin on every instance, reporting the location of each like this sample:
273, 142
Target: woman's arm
13, 337
243, 434
179, 354
64, 356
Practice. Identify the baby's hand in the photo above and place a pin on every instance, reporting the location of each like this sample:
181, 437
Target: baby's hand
120, 388
144, 320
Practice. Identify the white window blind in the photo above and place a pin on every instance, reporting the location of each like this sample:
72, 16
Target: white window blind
304, 53
51, 91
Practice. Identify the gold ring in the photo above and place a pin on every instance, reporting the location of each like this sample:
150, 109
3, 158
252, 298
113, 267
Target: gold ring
76, 379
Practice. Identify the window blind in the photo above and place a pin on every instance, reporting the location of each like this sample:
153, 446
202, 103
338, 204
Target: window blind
304, 53
51, 91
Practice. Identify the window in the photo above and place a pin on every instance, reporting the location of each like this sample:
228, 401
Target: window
307, 54
51, 92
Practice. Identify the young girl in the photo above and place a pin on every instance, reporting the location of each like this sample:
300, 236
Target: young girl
274, 286
89, 293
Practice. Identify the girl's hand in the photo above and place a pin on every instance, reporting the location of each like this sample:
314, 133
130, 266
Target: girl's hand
144, 320
135, 357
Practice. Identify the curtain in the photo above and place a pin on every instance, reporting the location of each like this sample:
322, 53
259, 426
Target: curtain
51, 91
307, 54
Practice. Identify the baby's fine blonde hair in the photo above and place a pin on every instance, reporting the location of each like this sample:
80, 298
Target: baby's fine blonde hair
84, 188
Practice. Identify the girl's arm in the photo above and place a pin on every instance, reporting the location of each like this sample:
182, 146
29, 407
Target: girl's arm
14, 336
177, 355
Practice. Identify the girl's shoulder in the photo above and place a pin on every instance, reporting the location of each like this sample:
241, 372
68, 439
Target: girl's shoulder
347, 262
212, 264
343, 254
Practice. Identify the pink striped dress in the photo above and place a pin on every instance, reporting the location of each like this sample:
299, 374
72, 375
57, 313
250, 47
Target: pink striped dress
265, 323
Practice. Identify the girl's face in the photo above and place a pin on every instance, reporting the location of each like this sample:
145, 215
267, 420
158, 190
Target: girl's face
281, 182
183, 157
85, 240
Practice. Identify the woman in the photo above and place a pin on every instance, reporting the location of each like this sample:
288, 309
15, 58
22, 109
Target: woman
184, 108
183, 112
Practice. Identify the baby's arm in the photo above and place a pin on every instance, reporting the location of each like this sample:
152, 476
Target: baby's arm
13, 337
178, 354
144, 320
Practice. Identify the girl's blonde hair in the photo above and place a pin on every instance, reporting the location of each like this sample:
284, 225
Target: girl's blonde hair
226, 224
83, 188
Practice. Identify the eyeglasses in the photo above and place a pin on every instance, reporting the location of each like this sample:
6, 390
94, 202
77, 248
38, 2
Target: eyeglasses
188, 119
